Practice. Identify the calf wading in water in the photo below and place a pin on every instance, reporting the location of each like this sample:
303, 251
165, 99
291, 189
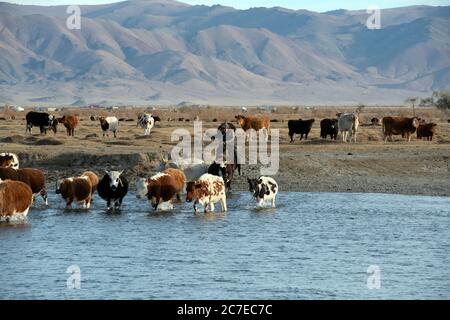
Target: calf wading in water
263, 189
78, 189
161, 187
112, 188
16, 198
34, 178
207, 190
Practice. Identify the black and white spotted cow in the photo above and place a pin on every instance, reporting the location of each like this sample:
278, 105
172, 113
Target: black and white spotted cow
263, 189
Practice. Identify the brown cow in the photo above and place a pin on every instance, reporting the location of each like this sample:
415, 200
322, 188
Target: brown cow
94, 179
426, 131
34, 178
70, 122
77, 189
162, 187
15, 198
399, 125
255, 123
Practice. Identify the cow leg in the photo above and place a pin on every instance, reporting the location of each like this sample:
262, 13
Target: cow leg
178, 197
207, 207
87, 202
108, 204
273, 202
301, 136
211, 205
292, 137
69, 203
196, 207
118, 203
223, 204
260, 202
115, 136
44, 196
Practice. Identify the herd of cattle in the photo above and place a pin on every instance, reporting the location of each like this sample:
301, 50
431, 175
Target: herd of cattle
203, 184
347, 124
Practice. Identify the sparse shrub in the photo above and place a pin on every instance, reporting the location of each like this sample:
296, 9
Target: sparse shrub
442, 101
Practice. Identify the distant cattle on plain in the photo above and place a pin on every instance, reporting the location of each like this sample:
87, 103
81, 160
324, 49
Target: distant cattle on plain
301, 127
348, 124
399, 126
70, 122
42, 120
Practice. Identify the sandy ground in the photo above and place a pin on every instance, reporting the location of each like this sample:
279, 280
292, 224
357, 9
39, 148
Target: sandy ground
370, 165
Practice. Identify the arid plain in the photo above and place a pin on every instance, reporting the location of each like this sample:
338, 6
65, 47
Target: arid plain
369, 165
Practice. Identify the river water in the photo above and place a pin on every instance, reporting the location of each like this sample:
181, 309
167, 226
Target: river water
312, 246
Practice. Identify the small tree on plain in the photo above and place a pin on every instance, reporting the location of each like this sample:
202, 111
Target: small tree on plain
412, 101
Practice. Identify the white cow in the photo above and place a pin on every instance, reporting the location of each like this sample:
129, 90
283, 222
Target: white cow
348, 124
263, 189
146, 122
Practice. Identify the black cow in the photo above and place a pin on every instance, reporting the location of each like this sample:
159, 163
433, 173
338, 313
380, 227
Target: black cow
329, 127
302, 127
224, 127
113, 187
227, 129
42, 120
226, 171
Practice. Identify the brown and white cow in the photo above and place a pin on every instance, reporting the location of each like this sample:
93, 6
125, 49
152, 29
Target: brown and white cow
161, 187
207, 190
34, 178
255, 123
427, 131
9, 160
16, 198
399, 126
70, 122
78, 189
94, 179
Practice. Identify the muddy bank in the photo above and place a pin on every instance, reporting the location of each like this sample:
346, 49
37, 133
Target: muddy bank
315, 165
311, 170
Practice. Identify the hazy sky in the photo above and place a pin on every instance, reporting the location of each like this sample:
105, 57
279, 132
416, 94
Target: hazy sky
315, 5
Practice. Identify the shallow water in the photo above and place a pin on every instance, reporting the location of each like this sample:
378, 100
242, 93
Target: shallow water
312, 246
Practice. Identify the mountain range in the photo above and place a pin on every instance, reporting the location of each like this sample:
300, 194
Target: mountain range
168, 52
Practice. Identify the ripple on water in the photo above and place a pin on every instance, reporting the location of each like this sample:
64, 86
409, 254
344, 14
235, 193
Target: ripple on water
313, 245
